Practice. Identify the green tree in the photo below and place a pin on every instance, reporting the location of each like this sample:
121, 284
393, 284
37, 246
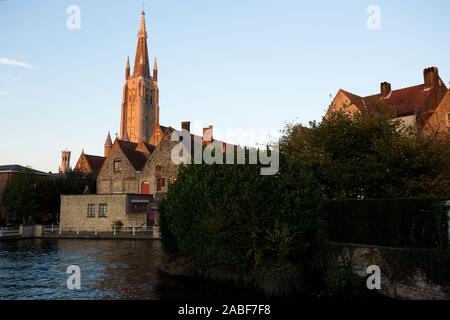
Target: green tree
20, 196
370, 156
265, 230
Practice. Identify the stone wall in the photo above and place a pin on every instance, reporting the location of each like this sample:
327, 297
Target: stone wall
400, 279
160, 165
74, 212
125, 181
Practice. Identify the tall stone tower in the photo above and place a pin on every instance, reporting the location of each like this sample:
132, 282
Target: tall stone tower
140, 102
65, 162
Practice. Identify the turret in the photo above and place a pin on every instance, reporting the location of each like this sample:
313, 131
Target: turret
127, 69
155, 71
108, 145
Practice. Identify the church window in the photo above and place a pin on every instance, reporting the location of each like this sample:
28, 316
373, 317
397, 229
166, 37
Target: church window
158, 169
160, 184
102, 209
91, 211
117, 166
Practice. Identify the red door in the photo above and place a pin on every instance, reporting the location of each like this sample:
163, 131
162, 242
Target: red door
145, 188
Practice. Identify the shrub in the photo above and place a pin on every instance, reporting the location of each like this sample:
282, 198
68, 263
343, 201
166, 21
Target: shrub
230, 216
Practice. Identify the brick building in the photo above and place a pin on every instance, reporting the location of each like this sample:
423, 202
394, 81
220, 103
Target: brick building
138, 163
424, 107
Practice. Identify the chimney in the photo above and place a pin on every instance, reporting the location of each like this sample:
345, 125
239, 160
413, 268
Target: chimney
208, 134
431, 77
385, 89
186, 125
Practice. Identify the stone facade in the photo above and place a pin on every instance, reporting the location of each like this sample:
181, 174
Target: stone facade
131, 210
118, 175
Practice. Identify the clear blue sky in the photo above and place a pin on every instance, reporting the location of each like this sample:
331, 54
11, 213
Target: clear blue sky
235, 64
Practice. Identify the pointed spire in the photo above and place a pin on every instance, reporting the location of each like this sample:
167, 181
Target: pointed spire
127, 69
108, 142
155, 71
141, 63
126, 137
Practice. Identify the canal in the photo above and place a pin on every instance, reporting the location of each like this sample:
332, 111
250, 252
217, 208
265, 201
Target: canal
110, 269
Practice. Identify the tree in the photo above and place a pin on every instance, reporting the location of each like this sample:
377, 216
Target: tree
369, 155
20, 196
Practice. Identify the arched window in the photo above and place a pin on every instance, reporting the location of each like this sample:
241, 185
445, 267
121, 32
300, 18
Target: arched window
145, 188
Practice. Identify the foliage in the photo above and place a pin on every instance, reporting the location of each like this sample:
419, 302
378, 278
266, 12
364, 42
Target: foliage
393, 223
254, 226
20, 196
370, 156
29, 197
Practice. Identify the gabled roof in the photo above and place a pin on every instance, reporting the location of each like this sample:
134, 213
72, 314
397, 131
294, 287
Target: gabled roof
405, 101
136, 158
15, 168
95, 162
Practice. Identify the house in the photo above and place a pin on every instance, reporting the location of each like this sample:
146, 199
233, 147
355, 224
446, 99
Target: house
424, 107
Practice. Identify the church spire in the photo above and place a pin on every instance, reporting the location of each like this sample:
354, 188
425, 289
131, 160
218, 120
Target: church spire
141, 63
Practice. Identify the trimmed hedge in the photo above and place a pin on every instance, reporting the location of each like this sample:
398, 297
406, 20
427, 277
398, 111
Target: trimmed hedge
413, 223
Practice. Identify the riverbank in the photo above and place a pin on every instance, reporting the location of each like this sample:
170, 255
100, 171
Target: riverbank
54, 232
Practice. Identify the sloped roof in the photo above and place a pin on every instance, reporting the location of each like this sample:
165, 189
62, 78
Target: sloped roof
95, 162
15, 168
136, 158
402, 102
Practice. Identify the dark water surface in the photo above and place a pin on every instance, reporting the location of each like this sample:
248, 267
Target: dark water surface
110, 269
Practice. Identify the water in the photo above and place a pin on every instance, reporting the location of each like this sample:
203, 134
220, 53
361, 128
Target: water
110, 269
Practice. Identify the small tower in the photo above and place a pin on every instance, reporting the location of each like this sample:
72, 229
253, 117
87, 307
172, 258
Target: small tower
127, 69
108, 145
155, 71
65, 162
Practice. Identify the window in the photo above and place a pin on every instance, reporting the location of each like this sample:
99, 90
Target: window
158, 169
91, 211
117, 166
102, 208
160, 184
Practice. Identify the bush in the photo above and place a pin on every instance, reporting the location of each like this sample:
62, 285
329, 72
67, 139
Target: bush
231, 217
393, 223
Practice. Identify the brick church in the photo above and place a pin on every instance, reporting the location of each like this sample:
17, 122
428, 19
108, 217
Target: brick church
136, 169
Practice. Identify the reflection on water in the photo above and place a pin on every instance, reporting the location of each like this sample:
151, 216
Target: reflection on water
36, 269
110, 269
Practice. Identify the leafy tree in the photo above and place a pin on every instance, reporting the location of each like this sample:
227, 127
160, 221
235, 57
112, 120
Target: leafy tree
20, 196
264, 229
370, 156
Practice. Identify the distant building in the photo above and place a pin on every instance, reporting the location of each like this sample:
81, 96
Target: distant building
6, 174
65, 162
424, 107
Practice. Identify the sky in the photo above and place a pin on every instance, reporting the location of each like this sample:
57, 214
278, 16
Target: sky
235, 64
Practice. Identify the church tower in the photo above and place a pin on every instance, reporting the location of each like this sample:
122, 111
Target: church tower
140, 105
65, 162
